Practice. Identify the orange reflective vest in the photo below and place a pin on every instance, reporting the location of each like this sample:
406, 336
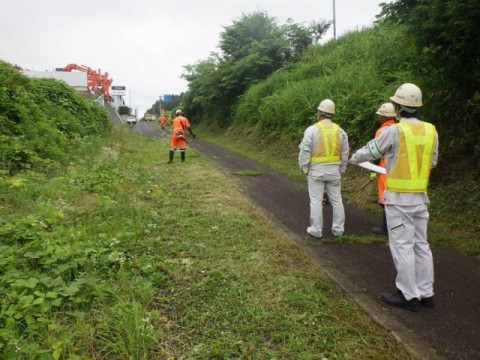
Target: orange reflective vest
411, 171
179, 125
329, 143
381, 178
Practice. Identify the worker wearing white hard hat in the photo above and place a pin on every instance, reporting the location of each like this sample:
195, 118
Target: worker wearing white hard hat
411, 151
323, 156
178, 139
386, 116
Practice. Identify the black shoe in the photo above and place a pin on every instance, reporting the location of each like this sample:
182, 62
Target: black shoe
379, 231
399, 300
428, 302
169, 162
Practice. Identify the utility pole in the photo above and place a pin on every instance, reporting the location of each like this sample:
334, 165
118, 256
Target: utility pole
334, 22
160, 105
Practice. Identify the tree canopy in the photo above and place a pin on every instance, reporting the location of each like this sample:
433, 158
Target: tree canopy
252, 48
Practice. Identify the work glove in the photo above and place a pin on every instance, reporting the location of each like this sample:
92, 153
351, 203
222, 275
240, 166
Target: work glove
373, 176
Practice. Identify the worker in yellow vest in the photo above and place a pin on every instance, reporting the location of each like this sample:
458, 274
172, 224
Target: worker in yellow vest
410, 149
323, 156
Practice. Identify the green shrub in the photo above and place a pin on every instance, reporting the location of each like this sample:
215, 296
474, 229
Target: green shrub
43, 121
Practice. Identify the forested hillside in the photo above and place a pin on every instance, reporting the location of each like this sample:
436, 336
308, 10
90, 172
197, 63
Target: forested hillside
267, 91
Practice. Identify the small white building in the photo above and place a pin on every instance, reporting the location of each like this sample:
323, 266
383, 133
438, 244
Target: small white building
76, 79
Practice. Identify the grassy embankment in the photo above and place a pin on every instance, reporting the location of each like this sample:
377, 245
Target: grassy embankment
123, 256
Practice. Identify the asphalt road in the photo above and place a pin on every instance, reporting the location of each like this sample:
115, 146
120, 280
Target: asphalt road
364, 271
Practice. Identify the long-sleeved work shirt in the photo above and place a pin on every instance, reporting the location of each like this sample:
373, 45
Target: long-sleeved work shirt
387, 145
310, 142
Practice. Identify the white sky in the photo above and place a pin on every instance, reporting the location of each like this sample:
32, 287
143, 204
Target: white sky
144, 44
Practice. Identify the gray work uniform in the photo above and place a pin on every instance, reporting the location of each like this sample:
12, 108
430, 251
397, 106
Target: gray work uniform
407, 219
323, 177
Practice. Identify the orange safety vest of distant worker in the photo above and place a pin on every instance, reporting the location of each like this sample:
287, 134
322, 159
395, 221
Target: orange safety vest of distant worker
177, 139
162, 121
381, 179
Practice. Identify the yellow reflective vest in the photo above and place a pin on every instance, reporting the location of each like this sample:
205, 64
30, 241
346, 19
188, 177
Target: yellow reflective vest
329, 142
411, 171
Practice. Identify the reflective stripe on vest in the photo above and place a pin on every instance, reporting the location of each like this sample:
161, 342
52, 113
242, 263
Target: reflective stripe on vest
411, 171
328, 148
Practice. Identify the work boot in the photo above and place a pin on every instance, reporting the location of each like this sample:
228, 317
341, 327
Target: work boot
398, 299
170, 156
379, 230
427, 302
182, 155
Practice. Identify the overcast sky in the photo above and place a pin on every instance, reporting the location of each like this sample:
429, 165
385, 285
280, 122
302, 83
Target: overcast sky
144, 44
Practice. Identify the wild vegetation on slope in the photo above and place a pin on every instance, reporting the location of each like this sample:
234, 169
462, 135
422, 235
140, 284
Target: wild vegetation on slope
42, 121
427, 43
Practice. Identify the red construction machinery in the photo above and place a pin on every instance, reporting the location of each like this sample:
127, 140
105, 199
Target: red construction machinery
97, 82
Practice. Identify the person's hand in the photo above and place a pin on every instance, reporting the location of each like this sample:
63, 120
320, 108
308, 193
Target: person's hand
352, 160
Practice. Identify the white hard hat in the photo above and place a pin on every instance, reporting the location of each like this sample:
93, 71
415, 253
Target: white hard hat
387, 109
327, 107
409, 97
178, 112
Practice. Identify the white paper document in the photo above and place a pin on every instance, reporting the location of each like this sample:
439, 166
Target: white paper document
372, 167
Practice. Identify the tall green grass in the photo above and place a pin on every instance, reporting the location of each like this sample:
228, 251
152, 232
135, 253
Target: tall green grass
359, 71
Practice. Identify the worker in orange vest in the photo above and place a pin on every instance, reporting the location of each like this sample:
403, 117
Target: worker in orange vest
411, 151
180, 124
162, 121
387, 116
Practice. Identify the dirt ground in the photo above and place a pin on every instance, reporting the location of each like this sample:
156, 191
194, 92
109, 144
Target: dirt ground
364, 271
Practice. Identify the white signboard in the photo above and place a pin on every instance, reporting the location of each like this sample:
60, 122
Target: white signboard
118, 90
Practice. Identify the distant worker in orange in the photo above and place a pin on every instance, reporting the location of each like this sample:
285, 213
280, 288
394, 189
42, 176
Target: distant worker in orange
180, 123
387, 116
162, 121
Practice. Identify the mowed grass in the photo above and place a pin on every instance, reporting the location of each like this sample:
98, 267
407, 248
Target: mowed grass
179, 266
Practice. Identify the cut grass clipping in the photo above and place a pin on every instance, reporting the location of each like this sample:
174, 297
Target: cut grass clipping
248, 172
